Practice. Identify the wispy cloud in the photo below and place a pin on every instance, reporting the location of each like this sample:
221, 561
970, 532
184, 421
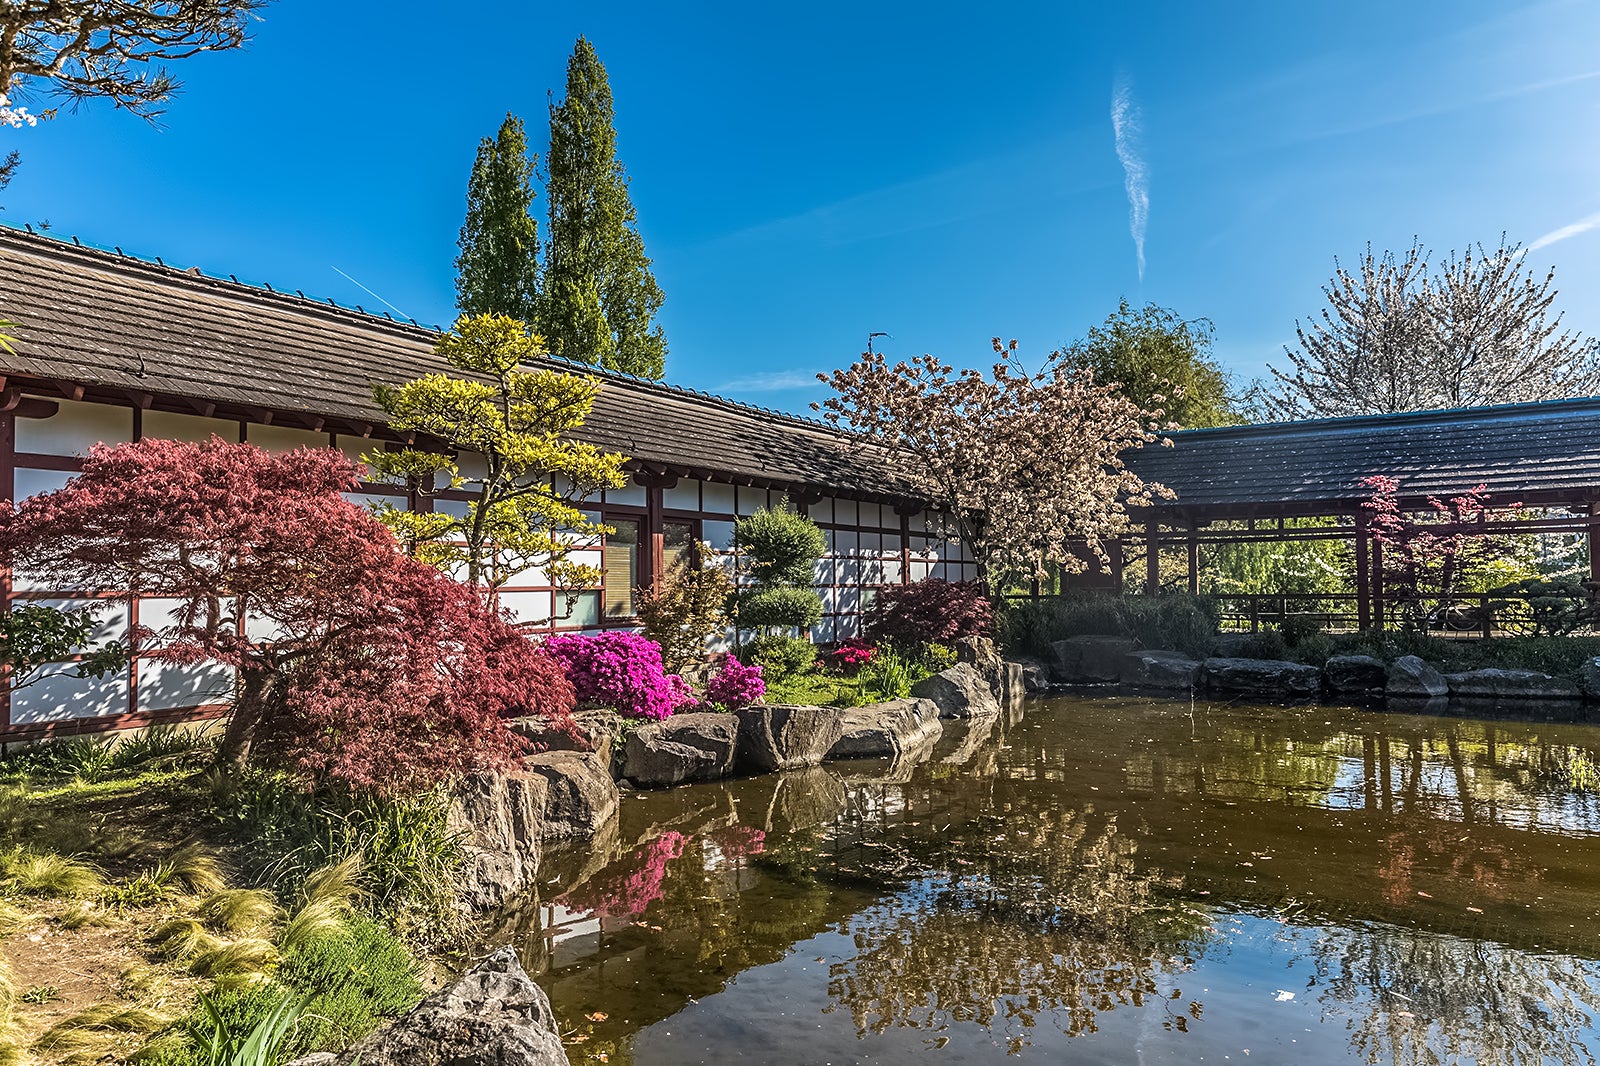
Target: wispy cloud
1125, 124
771, 381
1583, 225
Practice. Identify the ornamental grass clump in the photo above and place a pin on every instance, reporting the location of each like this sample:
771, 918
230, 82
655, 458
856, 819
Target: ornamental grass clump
736, 685
620, 671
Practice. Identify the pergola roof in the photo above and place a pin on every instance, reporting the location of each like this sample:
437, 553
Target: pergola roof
1535, 453
122, 328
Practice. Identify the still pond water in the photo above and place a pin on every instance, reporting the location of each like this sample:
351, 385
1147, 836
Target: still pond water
1102, 881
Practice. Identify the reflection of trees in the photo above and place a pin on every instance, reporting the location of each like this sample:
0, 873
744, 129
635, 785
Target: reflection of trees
1421, 998
1048, 917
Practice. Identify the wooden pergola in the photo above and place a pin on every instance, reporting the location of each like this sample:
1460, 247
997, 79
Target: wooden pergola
1535, 456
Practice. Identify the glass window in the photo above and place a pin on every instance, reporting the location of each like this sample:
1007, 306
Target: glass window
621, 564
677, 544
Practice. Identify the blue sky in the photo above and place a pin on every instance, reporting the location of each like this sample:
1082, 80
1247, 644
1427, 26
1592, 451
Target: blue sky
944, 173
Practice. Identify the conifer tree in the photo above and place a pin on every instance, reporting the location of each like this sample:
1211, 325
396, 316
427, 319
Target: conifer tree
497, 272
600, 295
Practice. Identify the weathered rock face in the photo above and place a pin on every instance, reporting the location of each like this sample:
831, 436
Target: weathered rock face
1089, 660
1160, 671
596, 731
494, 1015
1355, 675
1510, 685
886, 730
980, 654
581, 795
1267, 678
1009, 687
1412, 679
500, 817
699, 746
1589, 679
781, 736
1035, 676
959, 692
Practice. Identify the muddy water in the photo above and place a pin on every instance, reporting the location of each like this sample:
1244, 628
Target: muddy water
1102, 881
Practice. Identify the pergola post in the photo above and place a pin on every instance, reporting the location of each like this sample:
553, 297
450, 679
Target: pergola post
1194, 560
1363, 573
1375, 579
1152, 561
1594, 556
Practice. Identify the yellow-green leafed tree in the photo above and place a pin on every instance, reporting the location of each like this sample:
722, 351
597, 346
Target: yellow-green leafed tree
504, 435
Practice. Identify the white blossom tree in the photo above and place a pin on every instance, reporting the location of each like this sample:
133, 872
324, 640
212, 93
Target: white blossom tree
1026, 466
1395, 336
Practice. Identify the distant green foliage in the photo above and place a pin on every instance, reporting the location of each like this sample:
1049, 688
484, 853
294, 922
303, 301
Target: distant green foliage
1161, 361
1176, 622
686, 609
497, 271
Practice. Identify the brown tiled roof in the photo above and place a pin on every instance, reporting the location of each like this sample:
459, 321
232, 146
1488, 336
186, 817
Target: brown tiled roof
1537, 453
122, 326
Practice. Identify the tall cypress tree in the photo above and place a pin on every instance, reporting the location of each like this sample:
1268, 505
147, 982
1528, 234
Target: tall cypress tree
600, 295
497, 272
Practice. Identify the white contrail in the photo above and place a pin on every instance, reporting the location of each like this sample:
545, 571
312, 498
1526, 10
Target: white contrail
1583, 225
1125, 125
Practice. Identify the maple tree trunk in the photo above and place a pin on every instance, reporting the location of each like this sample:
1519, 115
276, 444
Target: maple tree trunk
255, 690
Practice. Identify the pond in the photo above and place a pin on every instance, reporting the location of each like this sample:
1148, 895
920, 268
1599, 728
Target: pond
1102, 880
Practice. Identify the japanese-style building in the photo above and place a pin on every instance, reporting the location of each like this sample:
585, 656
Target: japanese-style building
112, 348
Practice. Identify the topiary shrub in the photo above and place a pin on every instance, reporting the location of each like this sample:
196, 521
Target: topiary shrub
780, 656
934, 611
621, 671
776, 608
779, 546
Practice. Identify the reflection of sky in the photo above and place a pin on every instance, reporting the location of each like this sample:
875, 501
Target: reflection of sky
1267, 991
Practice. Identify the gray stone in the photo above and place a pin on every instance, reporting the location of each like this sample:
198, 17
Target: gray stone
1035, 676
1267, 678
1589, 679
782, 736
1160, 671
1510, 685
582, 795
1089, 660
886, 730
1412, 679
493, 1015
500, 819
1009, 689
685, 747
595, 730
958, 692
1355, 675
979, 653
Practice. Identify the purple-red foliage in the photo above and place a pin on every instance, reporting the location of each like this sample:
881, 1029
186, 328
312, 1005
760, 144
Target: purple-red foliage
620, 670
934, 611
359, 664
735, 684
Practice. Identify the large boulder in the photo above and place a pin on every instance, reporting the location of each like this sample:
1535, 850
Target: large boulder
581, 797
499, 817
1510, 685
1010, 689
1089, 660
783, 736
594, 730
1589, 679
1412, 679
886, 730
980, 654
1355, 675
699, 746
1160, 671
958, 692
1035, 676
493, 1015
1271, 679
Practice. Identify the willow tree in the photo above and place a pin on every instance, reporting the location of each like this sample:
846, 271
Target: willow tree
600, 295
1029, 467
506, 442
497, 270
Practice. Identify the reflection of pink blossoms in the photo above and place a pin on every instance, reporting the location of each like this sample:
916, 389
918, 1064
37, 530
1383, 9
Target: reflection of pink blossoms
739, 841
622, 671
736, 685
633, 888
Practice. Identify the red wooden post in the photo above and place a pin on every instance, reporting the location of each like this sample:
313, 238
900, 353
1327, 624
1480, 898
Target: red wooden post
1363, 573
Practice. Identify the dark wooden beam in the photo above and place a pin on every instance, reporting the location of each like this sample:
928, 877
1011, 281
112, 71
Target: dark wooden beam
203, 408
141, 400
36, 407
72, 390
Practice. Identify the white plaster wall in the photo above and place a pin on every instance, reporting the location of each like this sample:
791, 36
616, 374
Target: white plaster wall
75, 427
718, 498
283, 438
33, 482
61, 697
528, 607
166, 686
684, 496
168, 425
630, 495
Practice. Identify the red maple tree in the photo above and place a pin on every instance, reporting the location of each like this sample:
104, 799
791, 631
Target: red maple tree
354, 662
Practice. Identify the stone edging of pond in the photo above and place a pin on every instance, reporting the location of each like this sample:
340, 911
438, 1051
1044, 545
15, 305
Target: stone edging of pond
507, 818
1098, 660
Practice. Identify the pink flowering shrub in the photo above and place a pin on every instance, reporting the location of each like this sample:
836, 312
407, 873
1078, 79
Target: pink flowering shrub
622, 671
735, 685
850, 656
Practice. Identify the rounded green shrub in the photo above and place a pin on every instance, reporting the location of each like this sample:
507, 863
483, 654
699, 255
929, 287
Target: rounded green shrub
779, 606
779, 546
778, 656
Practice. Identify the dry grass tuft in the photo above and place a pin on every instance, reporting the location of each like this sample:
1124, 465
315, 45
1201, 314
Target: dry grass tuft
237, 910
53, 875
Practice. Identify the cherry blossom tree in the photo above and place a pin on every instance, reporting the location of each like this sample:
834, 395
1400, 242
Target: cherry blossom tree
1025, 465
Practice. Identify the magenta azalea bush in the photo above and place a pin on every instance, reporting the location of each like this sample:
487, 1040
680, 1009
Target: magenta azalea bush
851, 655
622, 671
735, 685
